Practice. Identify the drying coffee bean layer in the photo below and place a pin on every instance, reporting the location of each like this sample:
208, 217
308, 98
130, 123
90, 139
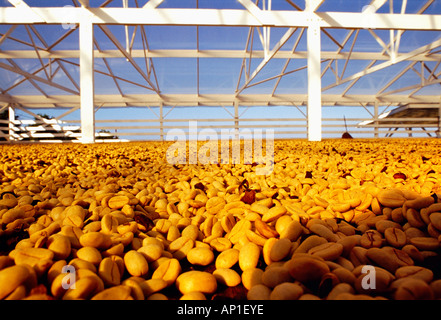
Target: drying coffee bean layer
129, 225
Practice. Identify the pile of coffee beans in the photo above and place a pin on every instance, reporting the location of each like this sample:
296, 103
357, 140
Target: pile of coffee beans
337, 219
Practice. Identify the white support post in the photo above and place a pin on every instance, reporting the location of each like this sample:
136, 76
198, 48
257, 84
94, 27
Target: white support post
438, 131
161, 121
87, 82
376, 119
11, 112
236, 119
314, 114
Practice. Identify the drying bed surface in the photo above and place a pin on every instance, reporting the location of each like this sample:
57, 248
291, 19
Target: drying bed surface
337, 219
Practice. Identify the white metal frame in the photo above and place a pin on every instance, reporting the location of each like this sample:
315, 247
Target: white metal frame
258, 17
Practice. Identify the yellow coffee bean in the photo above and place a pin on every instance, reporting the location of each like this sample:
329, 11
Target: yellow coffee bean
200, 256
151, 286
11, 278
191, 232
256, 238
109, 272
228, 221
391, 198
60, 245
97, 240
135, 263
264, 229
40, 259
195, 295
196, 281
151, 252
292, 231
249, 256
90, 254
13, 214
84, 288
118, 202
259, 208
280, 249
227, 277
77, 263
73, 234
180, 247
274, 213
227, 259
168, 271
220, 244
119, 292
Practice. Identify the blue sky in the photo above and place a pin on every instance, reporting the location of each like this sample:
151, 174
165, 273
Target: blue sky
220, 75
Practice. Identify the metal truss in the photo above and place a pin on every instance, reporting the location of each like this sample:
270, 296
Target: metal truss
300, 21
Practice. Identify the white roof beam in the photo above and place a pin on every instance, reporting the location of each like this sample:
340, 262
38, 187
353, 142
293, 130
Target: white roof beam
37, 78
152, 4
127, 55
377, 4
276, 48
312, 5
84, 3
35, 101
171, 53
386, 64
222, 17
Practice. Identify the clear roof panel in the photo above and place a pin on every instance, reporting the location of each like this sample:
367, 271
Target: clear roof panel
218, 60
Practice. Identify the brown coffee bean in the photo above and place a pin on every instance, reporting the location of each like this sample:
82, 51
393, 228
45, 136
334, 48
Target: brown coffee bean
395, 237
425, 243
413, 289
286, 291
328, 251
324, 232
389, 258
415, 272
371, 239
358, 256
306, 269
309, 243
435, 219
274, 276
378, 282
259, 292
414, 218
280, 249
419, 203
